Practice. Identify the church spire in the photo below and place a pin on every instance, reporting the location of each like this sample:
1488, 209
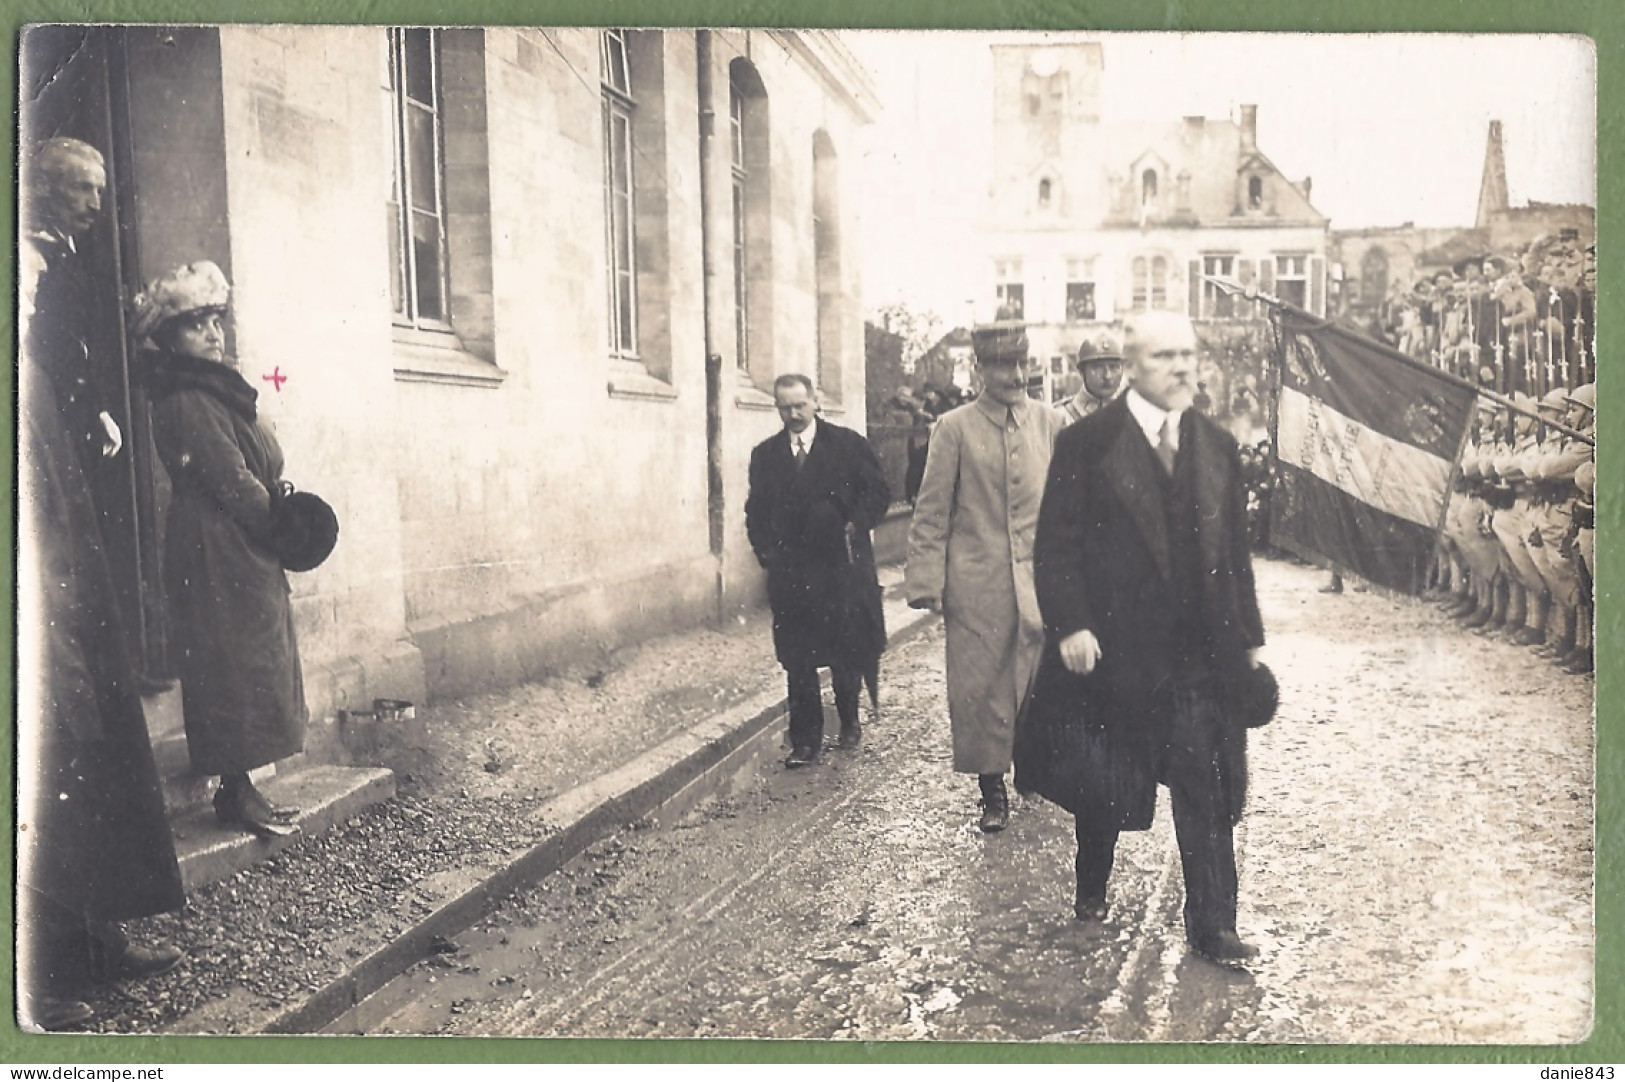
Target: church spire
1492, 193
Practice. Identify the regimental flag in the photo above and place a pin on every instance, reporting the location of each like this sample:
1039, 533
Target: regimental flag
1366, 441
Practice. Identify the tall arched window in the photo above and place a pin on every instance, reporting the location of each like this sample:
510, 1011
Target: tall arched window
749, 150
1148, 186
1044, 194
616, 82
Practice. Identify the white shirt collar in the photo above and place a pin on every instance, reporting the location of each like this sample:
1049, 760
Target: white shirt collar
1150, 417
806, 437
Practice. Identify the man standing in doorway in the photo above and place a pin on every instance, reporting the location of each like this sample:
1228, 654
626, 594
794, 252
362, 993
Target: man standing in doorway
970, 556
816, 492
94, 842
1145, 580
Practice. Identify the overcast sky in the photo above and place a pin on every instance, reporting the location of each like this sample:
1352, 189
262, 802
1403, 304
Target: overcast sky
1391, 128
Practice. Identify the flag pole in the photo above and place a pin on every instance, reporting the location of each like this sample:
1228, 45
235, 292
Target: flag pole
1237, 289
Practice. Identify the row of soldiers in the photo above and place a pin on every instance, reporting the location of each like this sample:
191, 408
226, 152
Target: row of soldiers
1520, 534
1521, 321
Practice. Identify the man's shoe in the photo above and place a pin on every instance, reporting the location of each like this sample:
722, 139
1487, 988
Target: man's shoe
139, 963
237, 807
1529, 636
1091, 909
1477, 619
47, 1014
1580, 666
851, 735
1224, 948
801, 756
995, 803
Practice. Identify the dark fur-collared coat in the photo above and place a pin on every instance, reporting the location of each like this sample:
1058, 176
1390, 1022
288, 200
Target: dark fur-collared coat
242, 687
1102, 562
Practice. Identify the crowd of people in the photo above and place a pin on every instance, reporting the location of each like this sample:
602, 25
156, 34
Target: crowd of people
1520, 321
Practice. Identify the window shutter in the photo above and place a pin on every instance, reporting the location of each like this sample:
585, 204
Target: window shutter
1266, 275
1317, 285
1196, 289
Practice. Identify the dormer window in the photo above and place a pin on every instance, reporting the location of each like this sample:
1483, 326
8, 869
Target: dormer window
1044, 193
1148, 186
1255, 193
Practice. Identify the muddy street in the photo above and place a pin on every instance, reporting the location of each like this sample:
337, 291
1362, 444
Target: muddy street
1415, 867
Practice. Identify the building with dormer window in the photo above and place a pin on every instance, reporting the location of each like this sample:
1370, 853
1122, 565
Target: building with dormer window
1090, 220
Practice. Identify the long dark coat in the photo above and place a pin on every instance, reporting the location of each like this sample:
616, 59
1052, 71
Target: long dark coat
821, 583
242, 688
93, 837
1101, 561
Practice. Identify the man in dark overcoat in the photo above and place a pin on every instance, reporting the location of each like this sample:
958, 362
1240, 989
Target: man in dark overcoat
816, 492
1145, 582
94, 845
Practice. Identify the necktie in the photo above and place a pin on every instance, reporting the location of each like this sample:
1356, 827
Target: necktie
801, 453
1165, 444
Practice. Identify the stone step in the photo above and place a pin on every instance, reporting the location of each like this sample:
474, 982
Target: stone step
324, 795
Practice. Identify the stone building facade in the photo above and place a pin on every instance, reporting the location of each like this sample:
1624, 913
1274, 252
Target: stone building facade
1090, 220
514, 298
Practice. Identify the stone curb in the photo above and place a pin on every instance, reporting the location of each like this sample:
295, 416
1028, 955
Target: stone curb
684, 769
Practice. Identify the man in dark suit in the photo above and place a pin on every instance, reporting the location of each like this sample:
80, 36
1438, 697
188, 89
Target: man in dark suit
94, 844
1145, 582
816, 492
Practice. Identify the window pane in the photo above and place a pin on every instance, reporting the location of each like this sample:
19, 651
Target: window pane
397, 261
740, 335
621, 152
624, 339
736, 124
426, 251
418, 57
617, 69
420, 154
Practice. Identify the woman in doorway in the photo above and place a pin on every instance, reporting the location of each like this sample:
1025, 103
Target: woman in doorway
243, 693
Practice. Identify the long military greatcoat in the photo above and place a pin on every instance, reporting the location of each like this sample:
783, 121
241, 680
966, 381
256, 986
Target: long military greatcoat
243, 691
1102, 562
970, 545
821, 578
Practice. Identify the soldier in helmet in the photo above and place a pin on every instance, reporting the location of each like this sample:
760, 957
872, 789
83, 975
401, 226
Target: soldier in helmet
1583, 416
1100, 363
1466, 525
1511, 524
1551, 482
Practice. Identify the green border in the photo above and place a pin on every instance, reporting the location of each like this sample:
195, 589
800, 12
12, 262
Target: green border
1602, 20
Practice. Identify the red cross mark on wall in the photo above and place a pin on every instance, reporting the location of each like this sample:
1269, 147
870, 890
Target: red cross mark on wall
276, 378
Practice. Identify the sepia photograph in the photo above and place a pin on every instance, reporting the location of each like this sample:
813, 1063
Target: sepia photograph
807, 534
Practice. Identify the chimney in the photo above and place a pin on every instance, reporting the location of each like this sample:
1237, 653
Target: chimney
1193, 128
1249, 128
1307, 186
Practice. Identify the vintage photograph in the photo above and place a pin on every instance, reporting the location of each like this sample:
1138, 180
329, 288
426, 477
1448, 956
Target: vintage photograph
820, 534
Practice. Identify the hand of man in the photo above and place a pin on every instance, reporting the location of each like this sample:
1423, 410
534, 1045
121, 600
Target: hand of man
1252, 658
114, 439
932, 603
1080, 651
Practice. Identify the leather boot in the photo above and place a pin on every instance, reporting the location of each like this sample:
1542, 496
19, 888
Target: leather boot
995, 804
